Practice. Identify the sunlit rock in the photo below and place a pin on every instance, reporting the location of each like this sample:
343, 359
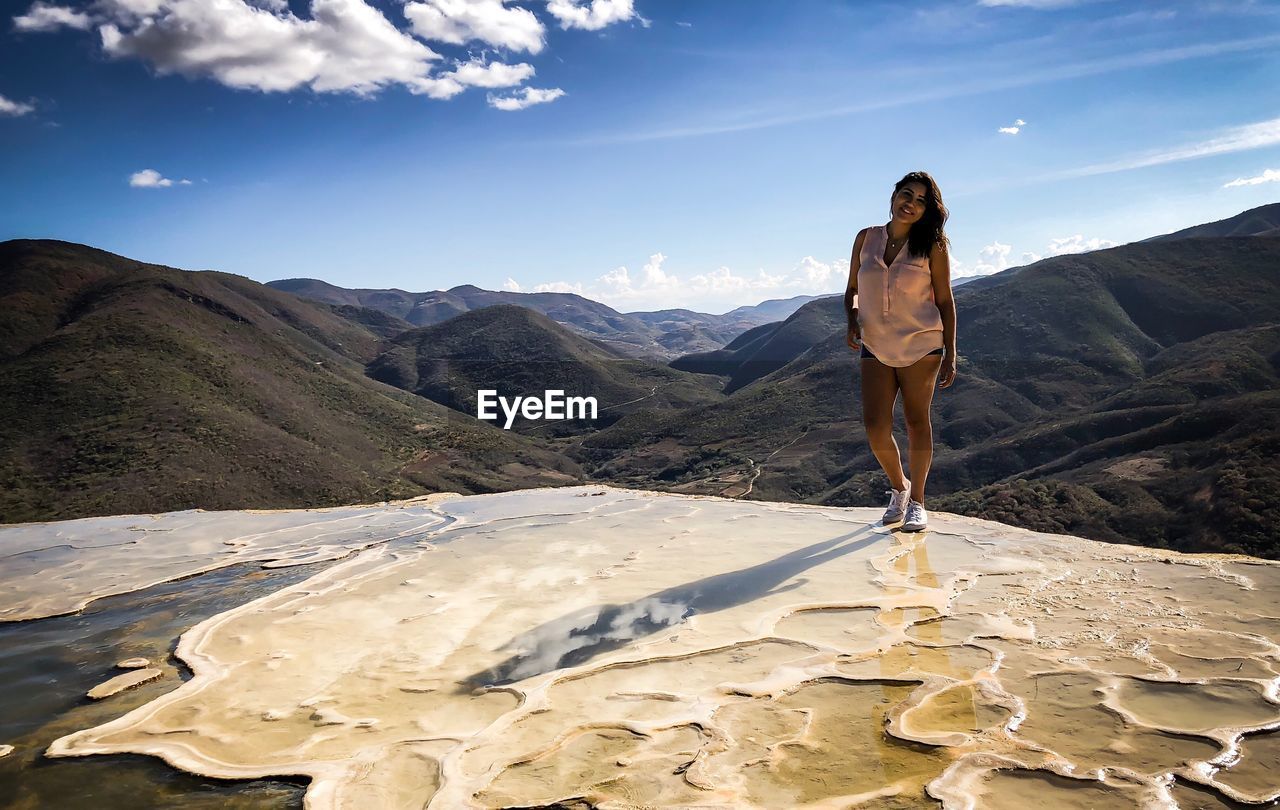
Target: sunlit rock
597, 646
128, 680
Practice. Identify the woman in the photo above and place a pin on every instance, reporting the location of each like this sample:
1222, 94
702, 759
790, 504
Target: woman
906, 329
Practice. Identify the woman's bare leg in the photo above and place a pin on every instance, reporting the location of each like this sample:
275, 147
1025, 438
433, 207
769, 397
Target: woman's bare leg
879, 392
917, 382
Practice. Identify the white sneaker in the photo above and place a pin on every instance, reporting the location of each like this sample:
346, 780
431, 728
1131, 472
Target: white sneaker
917, 519
897, 505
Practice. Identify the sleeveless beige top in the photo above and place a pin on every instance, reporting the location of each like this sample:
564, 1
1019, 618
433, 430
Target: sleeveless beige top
900, 321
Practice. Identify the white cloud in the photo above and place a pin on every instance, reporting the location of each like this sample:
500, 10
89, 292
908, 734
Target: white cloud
150, 178
347, 46
1077, 244
511, 285
46, 17
559, 286
684, 24
1234, 139
654, 275
1267, 176
526, 97
590, 15
996, 256
991, 259
1013, 76
477, 73
817, 275
616, 283
436, 87
343, 46
131, 10
14, 108
458, 22
1013, 129
718, 290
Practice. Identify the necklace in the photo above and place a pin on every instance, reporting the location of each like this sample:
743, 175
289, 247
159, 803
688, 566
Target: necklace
893, 242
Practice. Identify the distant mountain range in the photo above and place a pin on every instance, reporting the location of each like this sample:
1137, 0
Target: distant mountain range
764, 349
1125, 394
664, 335
515, 349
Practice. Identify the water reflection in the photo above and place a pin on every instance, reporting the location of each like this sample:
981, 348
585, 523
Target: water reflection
914, 564
577, 637
47, 665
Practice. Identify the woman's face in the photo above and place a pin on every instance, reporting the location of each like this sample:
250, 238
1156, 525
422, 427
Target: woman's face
908, 203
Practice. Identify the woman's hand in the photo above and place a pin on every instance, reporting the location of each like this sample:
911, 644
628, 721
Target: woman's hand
947, 371
854, 336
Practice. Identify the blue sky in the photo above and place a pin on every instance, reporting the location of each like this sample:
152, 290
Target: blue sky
700, 154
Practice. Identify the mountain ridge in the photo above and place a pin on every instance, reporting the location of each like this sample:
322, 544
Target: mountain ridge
664, 334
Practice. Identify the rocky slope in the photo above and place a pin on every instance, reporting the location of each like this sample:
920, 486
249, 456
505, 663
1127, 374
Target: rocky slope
137, 388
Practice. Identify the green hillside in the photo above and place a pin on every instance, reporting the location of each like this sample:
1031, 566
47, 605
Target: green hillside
517, 351
140, 388
1126, 394
765, 349
1133, 386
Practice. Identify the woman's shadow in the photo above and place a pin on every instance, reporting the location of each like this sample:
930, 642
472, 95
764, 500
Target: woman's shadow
577, 637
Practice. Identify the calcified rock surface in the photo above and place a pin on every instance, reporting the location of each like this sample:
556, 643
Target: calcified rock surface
617, 648
128, 680
56, 568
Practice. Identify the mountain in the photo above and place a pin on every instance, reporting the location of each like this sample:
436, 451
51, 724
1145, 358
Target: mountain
774, 309
663, 334
1261, 221
761, 350
375, 320
683, 331
137, 388
588, 318
1125, 394
517, 351
1145, 409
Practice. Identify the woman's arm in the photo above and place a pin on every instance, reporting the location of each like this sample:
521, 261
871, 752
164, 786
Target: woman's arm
854, 338
940, 273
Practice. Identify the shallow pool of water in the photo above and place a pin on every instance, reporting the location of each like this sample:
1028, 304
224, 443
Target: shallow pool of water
47, 666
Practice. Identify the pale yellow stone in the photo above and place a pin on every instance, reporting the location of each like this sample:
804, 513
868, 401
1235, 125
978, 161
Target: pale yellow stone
133, 663
629, 648
59, 567
127, 680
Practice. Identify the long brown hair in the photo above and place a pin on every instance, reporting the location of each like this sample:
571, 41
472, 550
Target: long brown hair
928, 230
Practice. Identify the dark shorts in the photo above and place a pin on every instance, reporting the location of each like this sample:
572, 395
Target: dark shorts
866, 353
